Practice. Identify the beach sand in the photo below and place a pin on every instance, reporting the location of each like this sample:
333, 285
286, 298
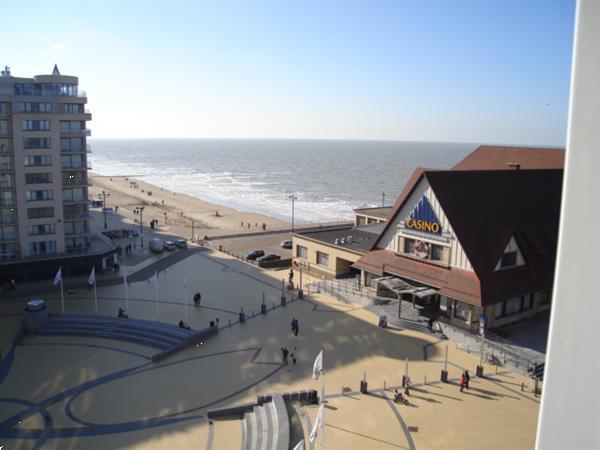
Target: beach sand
175, 212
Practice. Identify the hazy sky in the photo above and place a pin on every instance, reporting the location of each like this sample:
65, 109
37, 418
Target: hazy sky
446, 71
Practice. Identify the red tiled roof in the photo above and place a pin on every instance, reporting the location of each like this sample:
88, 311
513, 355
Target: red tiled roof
495, 157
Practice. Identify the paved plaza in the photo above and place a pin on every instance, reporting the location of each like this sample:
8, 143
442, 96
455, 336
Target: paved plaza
90, 393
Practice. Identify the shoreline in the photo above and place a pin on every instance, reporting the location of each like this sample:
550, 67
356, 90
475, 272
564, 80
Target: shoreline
175, 212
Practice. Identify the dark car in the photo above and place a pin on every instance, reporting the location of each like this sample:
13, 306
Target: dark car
255, 254
286, 244
169, 245
181, 243
270, 257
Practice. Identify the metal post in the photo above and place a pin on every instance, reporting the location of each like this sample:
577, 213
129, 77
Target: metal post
382, 199
141, 210
293, 198
192, 230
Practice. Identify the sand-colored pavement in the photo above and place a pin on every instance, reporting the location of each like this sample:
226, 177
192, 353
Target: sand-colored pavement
101, 393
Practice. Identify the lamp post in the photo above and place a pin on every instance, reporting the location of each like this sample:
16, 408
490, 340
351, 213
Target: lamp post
140, 209
103, 195
382, 199
293, 198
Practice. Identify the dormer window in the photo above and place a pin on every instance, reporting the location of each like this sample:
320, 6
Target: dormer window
509, 259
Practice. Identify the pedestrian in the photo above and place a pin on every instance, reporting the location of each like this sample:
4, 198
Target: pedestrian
291, 276
294, 355
462, 381
242, 224
13, 284
296, 327
264, 226
467, 379
284, 352
407, 382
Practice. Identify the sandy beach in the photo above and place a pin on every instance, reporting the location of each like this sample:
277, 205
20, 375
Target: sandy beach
176, 212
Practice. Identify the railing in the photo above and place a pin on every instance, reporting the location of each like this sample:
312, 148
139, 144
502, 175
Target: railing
77, 232
4, 186
76, 182
81, 131
76, 215
8, 220
6, 202
81, 94
73, 166
6, 150
6, 167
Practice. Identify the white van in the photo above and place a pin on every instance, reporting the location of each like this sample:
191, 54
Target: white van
156, 245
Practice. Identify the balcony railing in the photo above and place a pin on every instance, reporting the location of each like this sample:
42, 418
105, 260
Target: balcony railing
4, 202
81, 94
80, 215
6, 167
75, 166
76, 182
71, 201
77, 232
8, 220
80, 132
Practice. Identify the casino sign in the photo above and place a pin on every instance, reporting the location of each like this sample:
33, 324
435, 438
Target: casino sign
422, 218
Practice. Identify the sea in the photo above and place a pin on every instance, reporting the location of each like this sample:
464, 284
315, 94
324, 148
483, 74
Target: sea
328, 178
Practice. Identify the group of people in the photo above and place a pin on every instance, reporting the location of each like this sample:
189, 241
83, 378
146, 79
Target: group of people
9, 285
128, 249
197, 298
248, 225
285, 352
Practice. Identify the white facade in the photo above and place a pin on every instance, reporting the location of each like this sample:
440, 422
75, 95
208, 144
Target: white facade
392, 238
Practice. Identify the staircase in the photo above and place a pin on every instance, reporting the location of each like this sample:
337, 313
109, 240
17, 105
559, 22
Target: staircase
391, 312
158, 335
266, 426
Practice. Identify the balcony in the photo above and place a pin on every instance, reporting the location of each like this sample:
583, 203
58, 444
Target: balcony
8, 220
72, 233
6, 167
80, 132
80, 215
76, 182
7, 202
83, 201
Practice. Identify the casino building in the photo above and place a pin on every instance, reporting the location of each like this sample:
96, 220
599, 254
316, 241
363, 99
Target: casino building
477, 242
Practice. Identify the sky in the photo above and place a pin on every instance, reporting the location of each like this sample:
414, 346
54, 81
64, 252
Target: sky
468, 71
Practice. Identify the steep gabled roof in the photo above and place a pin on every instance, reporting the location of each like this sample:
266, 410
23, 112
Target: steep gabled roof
496, 157
486, 208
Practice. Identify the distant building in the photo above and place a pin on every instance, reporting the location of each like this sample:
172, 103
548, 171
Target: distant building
497, 157
43, 172
368, 216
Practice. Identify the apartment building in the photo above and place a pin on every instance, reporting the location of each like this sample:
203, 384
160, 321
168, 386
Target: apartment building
43, 167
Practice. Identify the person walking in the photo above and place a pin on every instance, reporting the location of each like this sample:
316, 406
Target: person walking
284, 352
296, 327
467, 379
462, 381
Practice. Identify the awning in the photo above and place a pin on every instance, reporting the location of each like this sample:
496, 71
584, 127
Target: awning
399, 286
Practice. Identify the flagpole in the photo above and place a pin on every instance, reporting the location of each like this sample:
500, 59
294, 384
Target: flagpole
62, 294
156, 296
323, 414
185, 293
95, 296
126, 292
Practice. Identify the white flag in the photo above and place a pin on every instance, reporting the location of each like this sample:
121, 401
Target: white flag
318, 366
153, 279
58, 276
299, 445
318, 424
184, 283
92, 277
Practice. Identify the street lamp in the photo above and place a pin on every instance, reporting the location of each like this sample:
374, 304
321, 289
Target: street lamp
103, 195
293, 198
140, 210
382, 199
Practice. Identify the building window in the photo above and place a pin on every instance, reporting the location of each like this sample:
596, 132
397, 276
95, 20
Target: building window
409, 246
23, 89
322, 259
544, 297
5, 146
42, 248
35, 107
71, 108
8, 215
437, 252
73, 195
6, 162
8, 251
72, 161
509, 259
36, 143
527, 302
71, 126
34, 196
38, 178
461, 311
7, 198
301, 252
76, 227
5, 128
36, 125
47, 228
38, 213
513, 306
71, 144
4, 109
498, 310
8, 233
38, 160
6, 181
55, 89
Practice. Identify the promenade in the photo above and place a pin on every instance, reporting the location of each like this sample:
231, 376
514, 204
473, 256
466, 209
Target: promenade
82, 393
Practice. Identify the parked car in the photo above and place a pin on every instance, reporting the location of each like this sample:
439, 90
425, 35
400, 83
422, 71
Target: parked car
255, 254
156, 245
270, 257
169, 245
286, 244
181, 243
